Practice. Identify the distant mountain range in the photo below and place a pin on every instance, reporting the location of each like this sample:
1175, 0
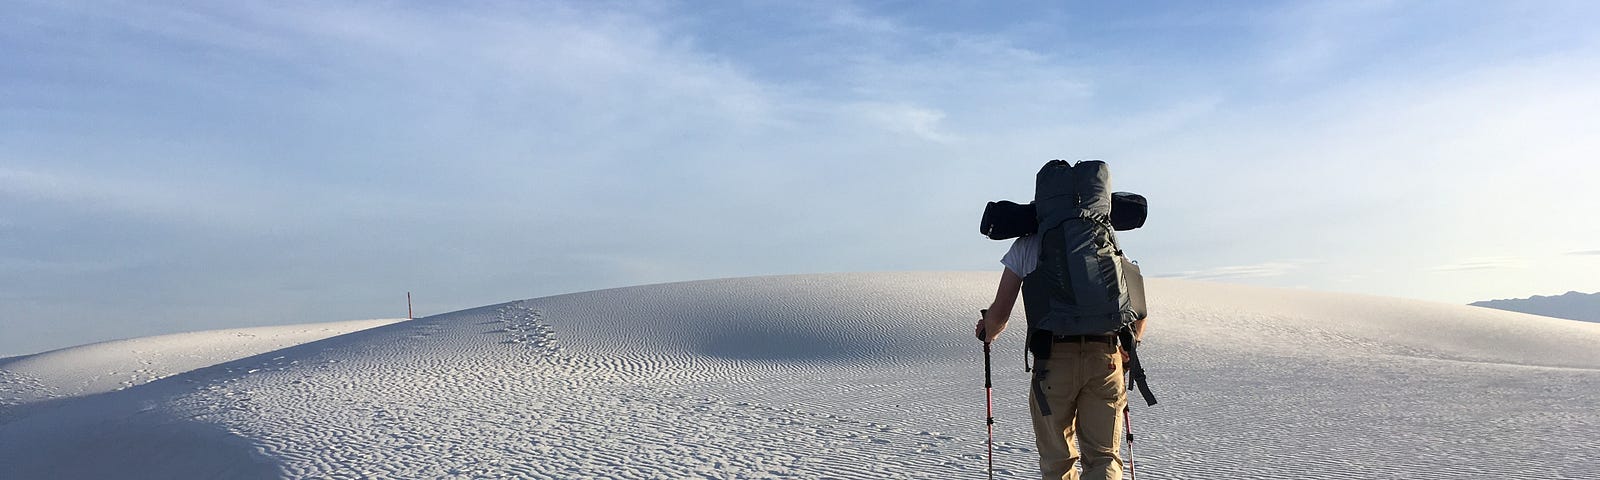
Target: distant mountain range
1571, 305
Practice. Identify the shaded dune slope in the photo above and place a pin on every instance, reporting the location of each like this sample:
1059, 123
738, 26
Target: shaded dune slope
860, 376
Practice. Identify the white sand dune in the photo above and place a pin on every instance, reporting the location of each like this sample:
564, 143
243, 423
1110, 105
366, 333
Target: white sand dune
844, 376
106, 366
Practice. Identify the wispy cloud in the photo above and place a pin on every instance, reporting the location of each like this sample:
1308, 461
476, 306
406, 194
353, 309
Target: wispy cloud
907, 119
32, 266
168, 199
86, 192
1315, 36
1585, 252
1259, 270
1482, 263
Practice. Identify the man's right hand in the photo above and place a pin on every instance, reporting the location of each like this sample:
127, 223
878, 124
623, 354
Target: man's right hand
985, 334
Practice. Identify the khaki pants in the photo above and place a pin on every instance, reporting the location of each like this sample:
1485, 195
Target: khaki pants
1084, 392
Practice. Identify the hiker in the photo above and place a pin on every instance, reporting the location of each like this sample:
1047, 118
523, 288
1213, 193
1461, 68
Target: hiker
1078, 385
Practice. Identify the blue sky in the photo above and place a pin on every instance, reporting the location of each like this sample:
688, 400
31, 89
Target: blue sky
172, 167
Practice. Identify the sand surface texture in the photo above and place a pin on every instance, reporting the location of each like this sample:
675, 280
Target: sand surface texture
842, 376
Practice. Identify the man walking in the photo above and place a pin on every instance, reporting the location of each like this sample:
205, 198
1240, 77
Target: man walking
1076, 306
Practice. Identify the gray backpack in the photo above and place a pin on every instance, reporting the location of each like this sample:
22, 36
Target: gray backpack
1083, 284
1079, 287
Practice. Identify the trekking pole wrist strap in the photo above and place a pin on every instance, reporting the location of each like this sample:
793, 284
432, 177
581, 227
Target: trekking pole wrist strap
1136, 371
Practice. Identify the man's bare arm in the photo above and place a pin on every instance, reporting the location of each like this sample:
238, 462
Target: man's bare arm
1005, 297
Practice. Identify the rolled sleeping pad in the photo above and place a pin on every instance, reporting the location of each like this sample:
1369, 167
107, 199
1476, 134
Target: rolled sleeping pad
1128, 210
1007, 219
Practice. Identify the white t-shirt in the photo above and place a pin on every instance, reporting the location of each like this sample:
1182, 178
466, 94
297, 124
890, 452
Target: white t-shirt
1023, 256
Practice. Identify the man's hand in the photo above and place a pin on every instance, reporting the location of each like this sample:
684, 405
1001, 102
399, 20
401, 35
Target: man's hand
989, 329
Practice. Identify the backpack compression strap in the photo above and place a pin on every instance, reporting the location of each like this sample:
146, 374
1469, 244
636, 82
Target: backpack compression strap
1137, 370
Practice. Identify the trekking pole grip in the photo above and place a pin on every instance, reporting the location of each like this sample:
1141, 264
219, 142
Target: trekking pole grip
983, 334
983, 325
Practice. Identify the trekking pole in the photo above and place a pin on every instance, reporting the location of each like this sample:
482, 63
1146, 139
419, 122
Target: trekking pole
988, 392
1127, 425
